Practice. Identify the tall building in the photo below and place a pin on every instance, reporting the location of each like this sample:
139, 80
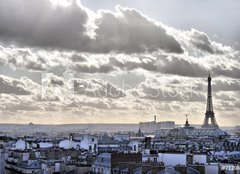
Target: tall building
154, 125
209, 120
166, 125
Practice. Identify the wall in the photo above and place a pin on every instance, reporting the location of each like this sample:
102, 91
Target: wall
212, 168
197, 158
172, 159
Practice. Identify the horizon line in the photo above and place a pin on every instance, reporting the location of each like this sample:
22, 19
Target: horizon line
59, 124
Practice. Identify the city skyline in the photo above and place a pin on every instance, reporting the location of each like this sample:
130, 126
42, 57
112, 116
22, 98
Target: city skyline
71, 61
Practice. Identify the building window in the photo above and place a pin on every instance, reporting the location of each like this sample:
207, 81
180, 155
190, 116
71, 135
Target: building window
134, 148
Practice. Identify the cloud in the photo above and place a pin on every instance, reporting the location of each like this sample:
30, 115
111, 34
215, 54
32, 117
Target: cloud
97, 88
52, 80
151, 63
39, 23
98, 98
78, 58
46, 25
168, 89
91, 68
13, 86
127, 30
183, 67
31, 59
225, 96
201, 41
221, 84
122, 40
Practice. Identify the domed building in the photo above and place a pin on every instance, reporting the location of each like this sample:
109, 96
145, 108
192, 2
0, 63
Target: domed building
21, 145
187, 126
188, 131
139, 133
66, 144
45, 145
70, 143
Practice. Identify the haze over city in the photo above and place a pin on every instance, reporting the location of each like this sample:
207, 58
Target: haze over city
70, 61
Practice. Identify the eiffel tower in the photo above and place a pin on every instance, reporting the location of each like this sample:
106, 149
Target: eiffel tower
209, 115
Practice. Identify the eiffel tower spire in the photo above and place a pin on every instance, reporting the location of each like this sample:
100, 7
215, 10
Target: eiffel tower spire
209, 95
209, 115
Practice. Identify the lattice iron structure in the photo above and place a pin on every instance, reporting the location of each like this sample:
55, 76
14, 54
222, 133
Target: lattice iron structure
209, 120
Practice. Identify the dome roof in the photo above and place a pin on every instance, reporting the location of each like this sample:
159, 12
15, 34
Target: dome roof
66, 144
45, 145
21, 145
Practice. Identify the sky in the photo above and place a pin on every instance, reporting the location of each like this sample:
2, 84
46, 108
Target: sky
118, 61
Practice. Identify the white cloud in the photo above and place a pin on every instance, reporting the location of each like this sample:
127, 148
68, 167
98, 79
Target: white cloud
77, 28
21, 86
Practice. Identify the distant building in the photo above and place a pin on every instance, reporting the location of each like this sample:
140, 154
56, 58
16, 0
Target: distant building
166, 125
181, 158
187, 132
154, 125
237, 128
135, 146
20, 161
148, 126
237, 131
231, 144
137, 168
23, 157
113, 146
139, 133
121, 137
88, 142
